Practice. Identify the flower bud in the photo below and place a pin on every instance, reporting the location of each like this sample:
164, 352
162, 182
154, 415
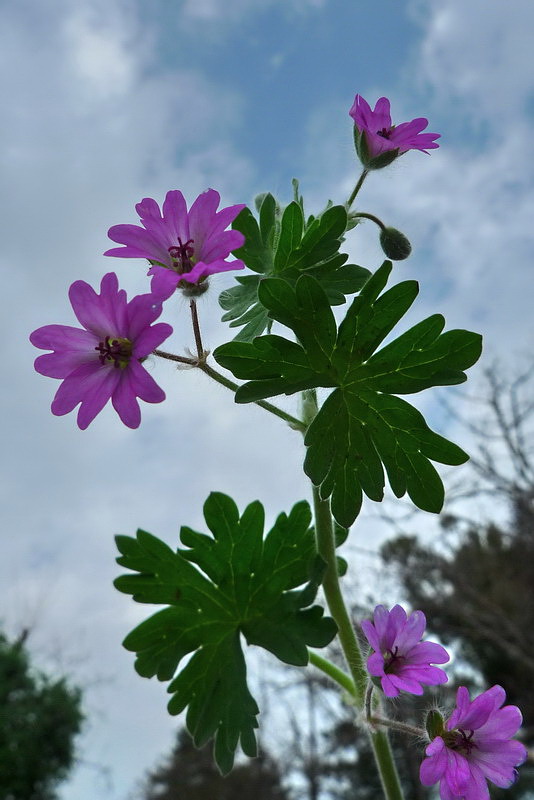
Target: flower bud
434, 724
395, 244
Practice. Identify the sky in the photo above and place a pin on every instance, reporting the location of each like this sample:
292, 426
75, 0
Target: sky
109, 101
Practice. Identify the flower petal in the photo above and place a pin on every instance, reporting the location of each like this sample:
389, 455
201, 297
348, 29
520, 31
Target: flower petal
428, 653
411, 631
104, 314
176, 217
371, 634
73, 347
143, 384
125, 402
92, 385
433, 767
151, 338
139, 243
164, 282
202, 270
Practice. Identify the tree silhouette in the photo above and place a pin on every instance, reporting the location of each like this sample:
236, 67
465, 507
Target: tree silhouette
190, 774
39, 719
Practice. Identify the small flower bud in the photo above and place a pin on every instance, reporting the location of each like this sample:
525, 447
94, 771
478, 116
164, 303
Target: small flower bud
434, 724
395, 244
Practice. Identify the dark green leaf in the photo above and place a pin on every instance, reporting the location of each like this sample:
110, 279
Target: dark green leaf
363, 428
230, 583
321, 240
282, 245
290, 235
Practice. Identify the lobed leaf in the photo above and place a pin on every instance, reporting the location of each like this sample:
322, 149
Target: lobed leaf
219, 587
287, 247
364, 431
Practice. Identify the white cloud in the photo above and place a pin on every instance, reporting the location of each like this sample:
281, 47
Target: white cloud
102, 51
479, 54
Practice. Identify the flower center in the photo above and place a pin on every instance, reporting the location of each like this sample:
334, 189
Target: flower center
460, 740
385, 133
181, 255
115, 349
391, 659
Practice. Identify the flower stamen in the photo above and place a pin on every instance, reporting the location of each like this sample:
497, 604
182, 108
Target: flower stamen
115, 349
182, 255
460, 740
391, 659
385, 133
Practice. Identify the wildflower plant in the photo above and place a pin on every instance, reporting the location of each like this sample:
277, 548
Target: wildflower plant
239, 583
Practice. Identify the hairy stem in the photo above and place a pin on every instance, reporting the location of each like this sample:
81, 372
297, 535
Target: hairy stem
196, 329
365, 215
357, 188
201, 364
324, 533
399, 726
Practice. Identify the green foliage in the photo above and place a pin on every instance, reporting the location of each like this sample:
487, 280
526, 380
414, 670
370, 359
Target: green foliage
288, 246
363, 428
244, 585
39, 719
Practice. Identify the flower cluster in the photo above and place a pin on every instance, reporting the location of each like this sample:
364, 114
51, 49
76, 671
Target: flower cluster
103, 360
475, 744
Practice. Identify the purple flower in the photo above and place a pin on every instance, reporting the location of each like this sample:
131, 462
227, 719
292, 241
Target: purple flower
381, 136
102, 360
184, 247
475, 746
401, 660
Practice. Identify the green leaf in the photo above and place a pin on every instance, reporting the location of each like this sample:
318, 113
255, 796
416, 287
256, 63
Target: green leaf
219, 587
283, 245
322, 239
363, 432
290, 235
257, 251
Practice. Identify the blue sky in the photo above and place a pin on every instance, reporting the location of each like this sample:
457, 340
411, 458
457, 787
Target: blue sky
108, 101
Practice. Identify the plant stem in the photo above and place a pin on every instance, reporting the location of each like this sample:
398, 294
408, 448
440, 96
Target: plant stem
196, 329
368, 696
372, 217
357, 188
333, 672
171, 357
295, 423
399, 726
324, 534
386, 766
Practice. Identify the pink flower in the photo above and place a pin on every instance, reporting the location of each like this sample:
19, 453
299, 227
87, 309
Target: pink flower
102, 360
184, 247
476, 746
381, 136
401, 660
